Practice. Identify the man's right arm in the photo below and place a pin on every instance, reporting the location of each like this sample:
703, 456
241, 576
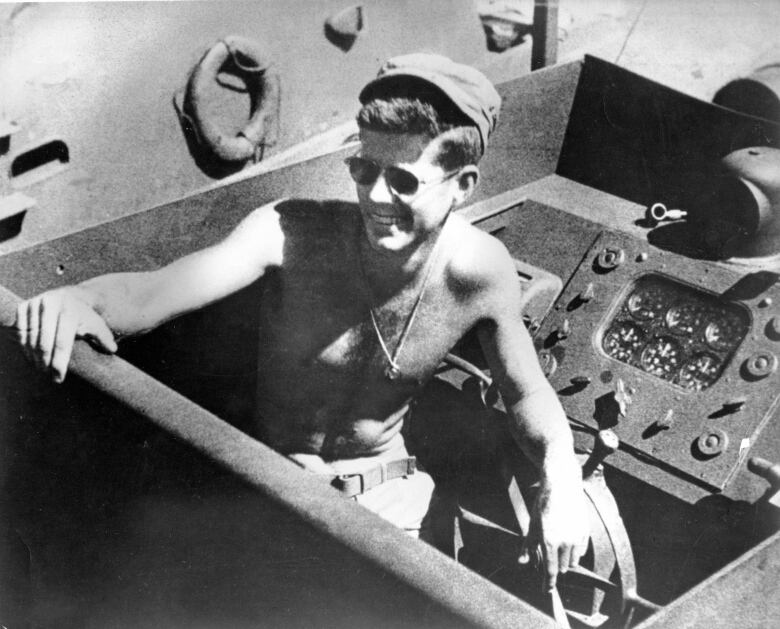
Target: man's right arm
124, 304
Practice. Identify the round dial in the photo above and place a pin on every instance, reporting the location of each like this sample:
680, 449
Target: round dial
684, 319
645, 303
661, 357
623, 340
723, 332
699, 372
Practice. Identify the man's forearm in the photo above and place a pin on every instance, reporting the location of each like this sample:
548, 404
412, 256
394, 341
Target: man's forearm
119, 298
541, 429
559, 522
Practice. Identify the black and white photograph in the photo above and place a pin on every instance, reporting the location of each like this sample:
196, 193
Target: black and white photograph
390, 314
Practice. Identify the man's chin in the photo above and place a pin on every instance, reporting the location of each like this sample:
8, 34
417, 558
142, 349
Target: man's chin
389, 242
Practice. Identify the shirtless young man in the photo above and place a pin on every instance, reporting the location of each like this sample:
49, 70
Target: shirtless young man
365, 302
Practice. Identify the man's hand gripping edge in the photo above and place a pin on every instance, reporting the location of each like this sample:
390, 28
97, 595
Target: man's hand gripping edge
48, 325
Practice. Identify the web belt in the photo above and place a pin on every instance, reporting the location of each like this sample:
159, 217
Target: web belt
355, 484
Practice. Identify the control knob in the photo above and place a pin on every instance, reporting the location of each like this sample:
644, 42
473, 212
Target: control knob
761, 364
712, 442
605, 444
610, 258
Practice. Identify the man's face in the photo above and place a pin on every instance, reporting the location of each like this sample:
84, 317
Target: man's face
396, 221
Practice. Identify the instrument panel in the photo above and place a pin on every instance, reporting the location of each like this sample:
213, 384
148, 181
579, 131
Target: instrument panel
674, 332
678, 356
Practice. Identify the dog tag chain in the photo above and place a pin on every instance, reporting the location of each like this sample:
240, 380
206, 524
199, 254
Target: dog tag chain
393, 370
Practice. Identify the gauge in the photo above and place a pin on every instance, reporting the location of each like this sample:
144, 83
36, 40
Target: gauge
699, 372
661, 357
724, 332
623, 340
646, 302
684, 318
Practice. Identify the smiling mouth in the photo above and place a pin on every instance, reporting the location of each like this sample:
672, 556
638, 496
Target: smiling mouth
383, 219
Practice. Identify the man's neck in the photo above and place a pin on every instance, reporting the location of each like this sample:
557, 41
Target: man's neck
390, 271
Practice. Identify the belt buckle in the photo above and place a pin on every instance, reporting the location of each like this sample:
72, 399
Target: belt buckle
411, 465
345, 484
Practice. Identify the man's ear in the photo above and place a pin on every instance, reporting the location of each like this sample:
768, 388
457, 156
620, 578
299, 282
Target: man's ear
468, 178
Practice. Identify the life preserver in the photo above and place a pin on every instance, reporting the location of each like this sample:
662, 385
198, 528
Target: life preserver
243, 58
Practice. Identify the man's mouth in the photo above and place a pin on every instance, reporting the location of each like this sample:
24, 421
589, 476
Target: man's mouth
384, 219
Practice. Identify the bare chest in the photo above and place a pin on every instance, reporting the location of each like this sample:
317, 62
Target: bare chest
334, 333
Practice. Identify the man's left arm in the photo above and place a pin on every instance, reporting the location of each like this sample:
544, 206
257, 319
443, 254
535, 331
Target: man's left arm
559, 523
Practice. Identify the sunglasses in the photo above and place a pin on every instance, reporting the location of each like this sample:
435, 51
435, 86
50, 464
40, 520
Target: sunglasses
366, 171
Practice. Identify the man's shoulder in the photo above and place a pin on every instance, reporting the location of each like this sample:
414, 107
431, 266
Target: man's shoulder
312, 210
479, 261
305, 217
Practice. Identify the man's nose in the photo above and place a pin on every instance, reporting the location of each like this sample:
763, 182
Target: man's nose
380, 190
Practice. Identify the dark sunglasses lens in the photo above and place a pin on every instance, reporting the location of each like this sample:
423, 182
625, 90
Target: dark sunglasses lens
402, 181
363, 171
